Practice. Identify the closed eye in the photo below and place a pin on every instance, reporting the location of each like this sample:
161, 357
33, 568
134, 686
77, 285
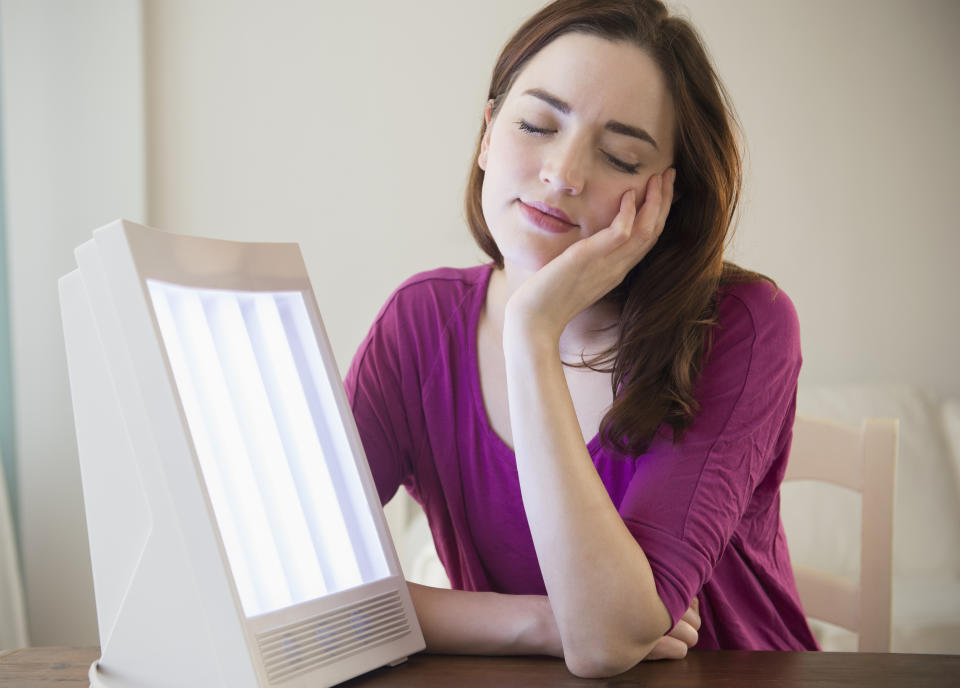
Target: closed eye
620, 164
524, 125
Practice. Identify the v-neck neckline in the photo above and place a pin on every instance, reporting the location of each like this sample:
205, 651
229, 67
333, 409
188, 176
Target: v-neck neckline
473, 362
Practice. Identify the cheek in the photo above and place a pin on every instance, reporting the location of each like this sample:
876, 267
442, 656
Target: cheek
606, 209
503, 177
607, 204
512, 156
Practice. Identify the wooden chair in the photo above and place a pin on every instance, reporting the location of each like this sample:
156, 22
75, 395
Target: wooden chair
862, 459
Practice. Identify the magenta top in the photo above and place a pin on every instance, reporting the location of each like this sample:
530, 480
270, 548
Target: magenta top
705, 511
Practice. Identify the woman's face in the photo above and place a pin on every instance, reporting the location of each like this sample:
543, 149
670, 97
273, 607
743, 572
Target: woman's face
586, 120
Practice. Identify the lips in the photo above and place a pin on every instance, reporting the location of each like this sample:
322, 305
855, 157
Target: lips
546, 218
549, 210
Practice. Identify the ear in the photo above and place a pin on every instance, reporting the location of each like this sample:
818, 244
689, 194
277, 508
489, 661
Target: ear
485, 141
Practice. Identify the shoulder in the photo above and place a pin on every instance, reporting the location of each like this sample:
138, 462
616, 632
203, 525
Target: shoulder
427, 309
761, 312
420, 317
439, 290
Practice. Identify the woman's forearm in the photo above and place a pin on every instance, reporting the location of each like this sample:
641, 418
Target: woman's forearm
461, 622
599, 581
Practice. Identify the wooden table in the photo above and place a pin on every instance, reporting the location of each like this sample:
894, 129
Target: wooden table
66, 667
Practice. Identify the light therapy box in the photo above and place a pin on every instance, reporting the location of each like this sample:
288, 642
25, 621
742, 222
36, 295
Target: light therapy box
235, 531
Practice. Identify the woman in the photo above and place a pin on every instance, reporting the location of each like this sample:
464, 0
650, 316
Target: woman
596, 424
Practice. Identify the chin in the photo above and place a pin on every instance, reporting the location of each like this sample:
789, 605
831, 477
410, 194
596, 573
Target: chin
526, 261
530, 253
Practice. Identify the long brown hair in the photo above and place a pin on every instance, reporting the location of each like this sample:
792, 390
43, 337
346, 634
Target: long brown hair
668, 302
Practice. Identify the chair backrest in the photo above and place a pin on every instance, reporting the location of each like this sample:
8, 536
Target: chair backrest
862, 459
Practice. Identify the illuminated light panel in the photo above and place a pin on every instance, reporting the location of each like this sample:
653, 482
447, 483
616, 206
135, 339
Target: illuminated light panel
285, 492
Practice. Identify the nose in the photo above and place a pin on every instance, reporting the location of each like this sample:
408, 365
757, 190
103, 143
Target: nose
563, 167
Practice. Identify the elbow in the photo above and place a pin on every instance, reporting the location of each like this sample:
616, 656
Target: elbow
604, 647
587, 666
604, 661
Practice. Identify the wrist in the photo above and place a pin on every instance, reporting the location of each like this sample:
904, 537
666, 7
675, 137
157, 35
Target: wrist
526, 334
539, 633
528, 323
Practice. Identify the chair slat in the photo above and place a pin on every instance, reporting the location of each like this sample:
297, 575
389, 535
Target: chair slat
826, 448
827, 597
862, 459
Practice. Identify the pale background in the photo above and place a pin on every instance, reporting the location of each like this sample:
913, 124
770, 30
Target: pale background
348, 127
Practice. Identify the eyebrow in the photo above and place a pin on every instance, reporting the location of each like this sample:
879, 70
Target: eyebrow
612, 125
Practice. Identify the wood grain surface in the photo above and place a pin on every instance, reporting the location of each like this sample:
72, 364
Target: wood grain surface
66, 667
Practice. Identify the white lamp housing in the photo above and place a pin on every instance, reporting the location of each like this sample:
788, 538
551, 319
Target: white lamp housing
236, 535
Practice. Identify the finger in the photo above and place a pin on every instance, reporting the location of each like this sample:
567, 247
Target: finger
666, 197
692, 617
667, 648
612, 237
685, 633
623, 222
646, 219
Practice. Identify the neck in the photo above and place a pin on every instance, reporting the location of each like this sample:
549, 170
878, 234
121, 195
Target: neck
588, 334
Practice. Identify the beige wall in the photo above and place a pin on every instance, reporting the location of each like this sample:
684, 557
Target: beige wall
73, 159
310, 122
850, 111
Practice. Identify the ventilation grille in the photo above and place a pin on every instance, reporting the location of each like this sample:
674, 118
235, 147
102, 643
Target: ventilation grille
290, 650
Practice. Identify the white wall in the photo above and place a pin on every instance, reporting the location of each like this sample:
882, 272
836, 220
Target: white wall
73, 160
346, 127
850, 111
312, 122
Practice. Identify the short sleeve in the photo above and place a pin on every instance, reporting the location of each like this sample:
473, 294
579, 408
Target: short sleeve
686, 501
378, 388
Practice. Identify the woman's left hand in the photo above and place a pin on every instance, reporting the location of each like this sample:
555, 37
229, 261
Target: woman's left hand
681, 638
586, 271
